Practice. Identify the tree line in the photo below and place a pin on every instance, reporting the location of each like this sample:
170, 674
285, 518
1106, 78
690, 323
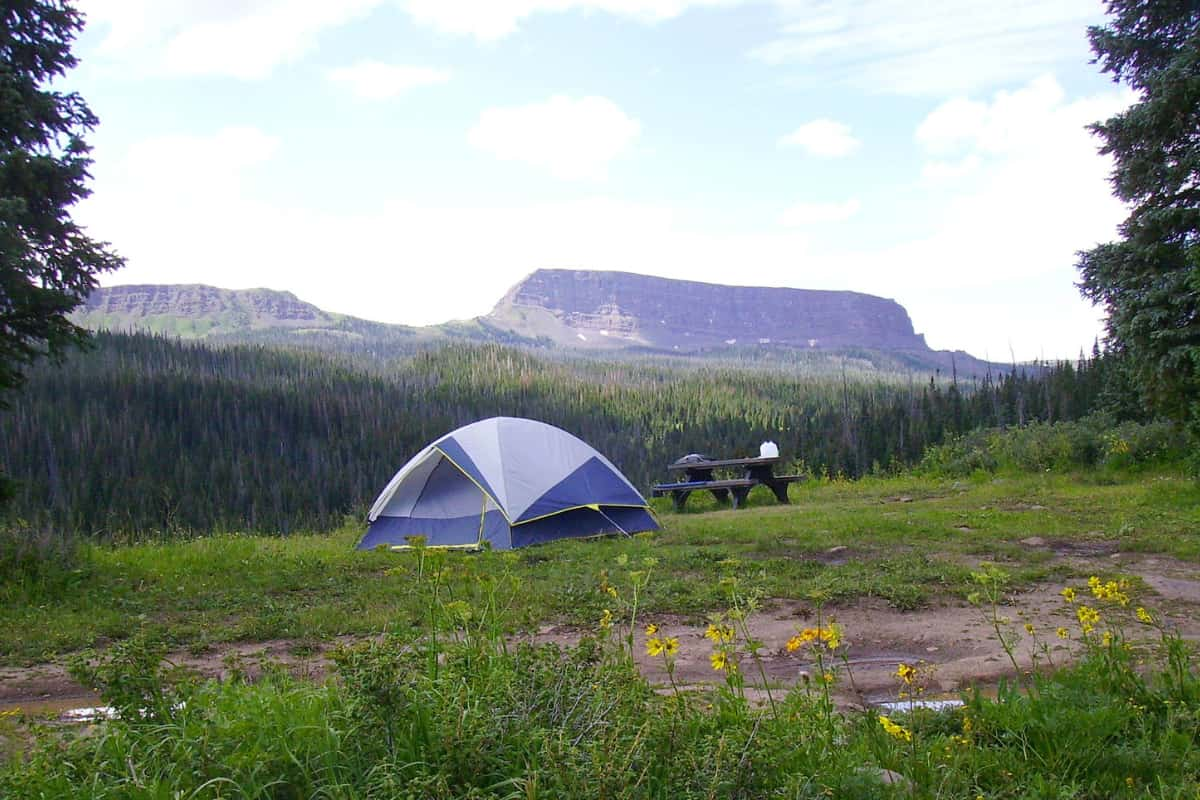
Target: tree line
146, 435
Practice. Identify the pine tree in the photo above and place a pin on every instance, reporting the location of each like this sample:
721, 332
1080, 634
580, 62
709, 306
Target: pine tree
1149, 281
47, 263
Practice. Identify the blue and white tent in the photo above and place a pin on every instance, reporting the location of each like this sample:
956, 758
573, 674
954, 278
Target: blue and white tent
507, 481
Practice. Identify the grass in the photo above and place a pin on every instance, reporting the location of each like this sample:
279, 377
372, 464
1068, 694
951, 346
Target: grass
450, 707
910, 540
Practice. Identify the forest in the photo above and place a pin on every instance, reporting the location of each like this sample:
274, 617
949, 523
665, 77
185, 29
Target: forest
147, 436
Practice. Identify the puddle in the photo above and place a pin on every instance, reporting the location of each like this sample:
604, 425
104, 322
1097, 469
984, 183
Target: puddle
50, 707
89, 714
931, 705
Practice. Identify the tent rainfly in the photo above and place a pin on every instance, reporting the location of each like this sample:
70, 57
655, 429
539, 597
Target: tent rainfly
507, 481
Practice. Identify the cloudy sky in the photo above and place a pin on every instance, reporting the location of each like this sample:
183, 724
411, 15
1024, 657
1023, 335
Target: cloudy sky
409, 160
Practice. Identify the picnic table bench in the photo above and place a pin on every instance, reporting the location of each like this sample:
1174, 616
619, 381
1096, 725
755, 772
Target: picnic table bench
698, 476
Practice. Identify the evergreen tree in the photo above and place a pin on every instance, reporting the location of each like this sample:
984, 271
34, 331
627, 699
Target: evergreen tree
47, 263
1149, 281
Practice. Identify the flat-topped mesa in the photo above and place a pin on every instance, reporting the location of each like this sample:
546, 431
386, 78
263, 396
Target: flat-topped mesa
661, 312
197, 299
197, 311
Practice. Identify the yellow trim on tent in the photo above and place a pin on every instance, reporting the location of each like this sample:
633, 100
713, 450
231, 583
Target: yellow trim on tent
592, 506
467, 475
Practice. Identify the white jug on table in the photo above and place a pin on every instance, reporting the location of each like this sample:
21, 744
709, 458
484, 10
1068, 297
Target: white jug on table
768, 450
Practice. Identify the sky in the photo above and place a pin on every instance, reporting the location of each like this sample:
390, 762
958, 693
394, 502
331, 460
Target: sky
408, 161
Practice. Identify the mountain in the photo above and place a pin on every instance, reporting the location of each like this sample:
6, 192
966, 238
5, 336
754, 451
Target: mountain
571, 311
194, 310
594, 310
620, 309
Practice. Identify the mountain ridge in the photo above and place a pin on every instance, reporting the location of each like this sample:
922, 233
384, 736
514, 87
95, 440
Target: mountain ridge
625, 307
572, 311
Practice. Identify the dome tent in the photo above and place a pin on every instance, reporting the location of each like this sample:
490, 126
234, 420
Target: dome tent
507, 481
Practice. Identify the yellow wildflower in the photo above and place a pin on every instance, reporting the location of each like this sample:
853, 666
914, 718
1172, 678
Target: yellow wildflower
720, 634
906, 673
827, 677
606, 620
654, 647
670, 645
1111, 591
832, 636
1029, 628
1144, 616
721, 661
1063, 633
897, 731
1107, 639
1088, 617
610, 591
651, 629
1068, 594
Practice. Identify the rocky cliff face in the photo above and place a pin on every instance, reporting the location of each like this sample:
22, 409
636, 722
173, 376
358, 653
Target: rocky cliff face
195, 300
194, 309
620, 309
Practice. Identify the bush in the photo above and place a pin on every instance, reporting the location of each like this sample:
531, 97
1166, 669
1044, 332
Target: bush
37, 563
1090, 442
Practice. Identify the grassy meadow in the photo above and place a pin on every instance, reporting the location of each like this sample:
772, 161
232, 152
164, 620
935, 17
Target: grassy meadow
432, 692
913, 540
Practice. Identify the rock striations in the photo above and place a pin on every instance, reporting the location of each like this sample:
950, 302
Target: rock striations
622, 309
196, 300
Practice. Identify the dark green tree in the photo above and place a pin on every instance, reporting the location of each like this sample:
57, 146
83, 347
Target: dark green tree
1149, 280
48, 265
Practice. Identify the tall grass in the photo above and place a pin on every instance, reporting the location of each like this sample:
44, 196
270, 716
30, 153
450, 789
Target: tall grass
450, 707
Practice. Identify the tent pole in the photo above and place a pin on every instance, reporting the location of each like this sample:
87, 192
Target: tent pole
482, 515
614, 524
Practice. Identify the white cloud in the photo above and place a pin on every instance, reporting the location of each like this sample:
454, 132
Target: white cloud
374, 80
245, 40
803, 214
938, 171
184, 165
822, 137
570, 138
930, 48
495, 19
1021, 189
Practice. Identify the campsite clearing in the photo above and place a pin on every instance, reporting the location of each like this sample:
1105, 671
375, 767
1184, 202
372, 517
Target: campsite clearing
906, 544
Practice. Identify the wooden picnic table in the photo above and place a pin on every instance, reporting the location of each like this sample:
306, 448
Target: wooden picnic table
698, 476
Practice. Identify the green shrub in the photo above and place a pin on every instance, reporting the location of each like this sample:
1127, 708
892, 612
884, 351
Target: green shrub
1036, 447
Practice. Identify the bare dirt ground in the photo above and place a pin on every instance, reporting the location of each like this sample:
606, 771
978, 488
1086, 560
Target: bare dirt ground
955, 640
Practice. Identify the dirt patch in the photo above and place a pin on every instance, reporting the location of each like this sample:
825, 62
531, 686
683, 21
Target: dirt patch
48, 688
1083, 548
954, 639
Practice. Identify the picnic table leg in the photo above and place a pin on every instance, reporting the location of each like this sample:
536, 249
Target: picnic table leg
679, 498
780, 490
722, 495
739, 495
